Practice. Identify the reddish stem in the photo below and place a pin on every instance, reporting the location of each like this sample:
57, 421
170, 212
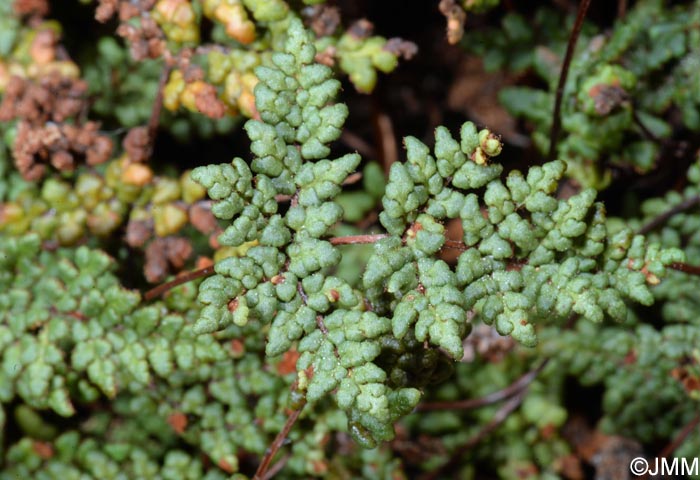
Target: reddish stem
520, 384
357, 239
188, 277
500, 417
277, 444
665, 216
682, 435
684, 267
454, 244
621, 8
207, 271
570, 47
154, 120
277, 467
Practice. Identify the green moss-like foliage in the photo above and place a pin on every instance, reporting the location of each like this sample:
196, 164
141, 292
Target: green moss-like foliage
355, 305
284, 280
527, 255
72, 337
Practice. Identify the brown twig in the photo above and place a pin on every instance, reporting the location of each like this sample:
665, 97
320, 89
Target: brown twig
668, 450
188, 277
154, 120
352, 178
570, 47
387, 140
621, 8
207, 271
302, 293
680, 438
665, 216
685, 268
501, 415
357, 239
454, 244
260, 473
514, 388
279, 465
347, 240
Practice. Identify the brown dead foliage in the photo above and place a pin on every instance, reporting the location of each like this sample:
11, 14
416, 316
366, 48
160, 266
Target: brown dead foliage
164, 254
607, 98
51, 98
127, 9
361, 29
39, 8
323, 19
42, 106
58, 145
609, 455
138, 232
202, 218
145, 38
145, 41
456, 16
206, 100
401, 48
137, 144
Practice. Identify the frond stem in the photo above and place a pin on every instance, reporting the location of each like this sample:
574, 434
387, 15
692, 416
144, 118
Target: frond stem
514, 388
570, 47
662, 218
260, 473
